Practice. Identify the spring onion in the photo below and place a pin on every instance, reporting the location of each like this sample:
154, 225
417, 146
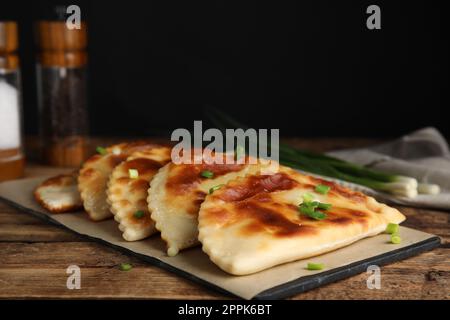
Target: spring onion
425, 188
125, 267
324, 206
207, 174
392, 228
395, 239
311, 212
402, 189
314, 266
324, 165
322, 189
133, 173
318, 205
215, 188
139, 214
101, 150
312, 204
308, 197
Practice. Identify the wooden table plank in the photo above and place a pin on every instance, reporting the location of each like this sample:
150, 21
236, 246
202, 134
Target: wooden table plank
35, 256
10, 215
423, 277
39, 269
35, 233
16, 226
100, 283
431, 221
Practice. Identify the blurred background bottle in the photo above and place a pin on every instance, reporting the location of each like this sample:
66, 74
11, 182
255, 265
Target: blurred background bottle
11, 151
62, 92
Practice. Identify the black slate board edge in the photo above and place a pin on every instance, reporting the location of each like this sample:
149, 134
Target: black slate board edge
310, 282
279, 292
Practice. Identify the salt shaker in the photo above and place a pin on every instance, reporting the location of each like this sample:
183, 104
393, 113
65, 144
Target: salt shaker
11, 150
62, 92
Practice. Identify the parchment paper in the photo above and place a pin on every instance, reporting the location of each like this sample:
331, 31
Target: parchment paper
195, 262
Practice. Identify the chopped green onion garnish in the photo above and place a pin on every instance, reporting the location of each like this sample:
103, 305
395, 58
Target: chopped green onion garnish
308, 197
215, 188
239, 152
322, 189
101, 150
207, 174
324, 206
139, 214
125, 267
392, 228
305, 209
310, 212
314, 266
312, 205
319, 215
395, 239
133, 173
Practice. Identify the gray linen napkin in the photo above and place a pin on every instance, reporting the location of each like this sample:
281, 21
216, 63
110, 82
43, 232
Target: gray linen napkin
422, 154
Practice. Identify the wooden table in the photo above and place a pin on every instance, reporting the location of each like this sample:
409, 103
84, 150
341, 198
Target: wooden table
34, 256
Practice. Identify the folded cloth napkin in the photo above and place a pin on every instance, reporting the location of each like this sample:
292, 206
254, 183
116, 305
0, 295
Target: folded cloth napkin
422, 154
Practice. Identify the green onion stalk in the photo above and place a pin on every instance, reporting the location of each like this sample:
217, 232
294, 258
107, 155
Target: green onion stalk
325, 165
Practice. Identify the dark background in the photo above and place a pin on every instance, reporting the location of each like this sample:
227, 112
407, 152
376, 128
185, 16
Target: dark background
310, 68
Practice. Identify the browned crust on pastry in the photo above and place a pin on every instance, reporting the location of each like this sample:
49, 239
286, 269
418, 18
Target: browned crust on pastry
59, 180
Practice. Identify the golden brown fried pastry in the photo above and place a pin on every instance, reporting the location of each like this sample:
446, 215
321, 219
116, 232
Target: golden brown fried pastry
127, 195
254, 223
176, 194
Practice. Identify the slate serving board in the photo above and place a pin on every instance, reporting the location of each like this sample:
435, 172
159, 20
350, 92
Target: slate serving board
275, 283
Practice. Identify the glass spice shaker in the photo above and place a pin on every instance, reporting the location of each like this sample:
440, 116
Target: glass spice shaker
12, 159
62, 92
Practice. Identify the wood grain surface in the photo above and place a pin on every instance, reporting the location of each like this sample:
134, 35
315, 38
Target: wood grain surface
34, 256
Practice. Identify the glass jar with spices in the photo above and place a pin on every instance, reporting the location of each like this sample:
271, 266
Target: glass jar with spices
62, 92
11, 151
